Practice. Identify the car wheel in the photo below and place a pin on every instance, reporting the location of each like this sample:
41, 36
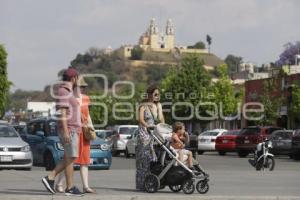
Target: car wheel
243, 154
200, 152
127, 153
26, 169
49, 162
194, 154
222, 153
115, 153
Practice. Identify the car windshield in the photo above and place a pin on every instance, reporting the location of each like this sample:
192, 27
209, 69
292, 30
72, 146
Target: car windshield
52, 128
250, 131
231, 133
210, 133
127, 130
7, 131
104, 134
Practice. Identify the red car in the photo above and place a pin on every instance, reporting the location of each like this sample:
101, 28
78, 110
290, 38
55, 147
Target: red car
226, 142
252, 135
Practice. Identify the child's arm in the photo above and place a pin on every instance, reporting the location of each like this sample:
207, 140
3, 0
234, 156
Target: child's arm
177, 139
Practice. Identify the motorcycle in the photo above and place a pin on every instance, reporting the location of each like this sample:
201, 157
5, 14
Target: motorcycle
262, 158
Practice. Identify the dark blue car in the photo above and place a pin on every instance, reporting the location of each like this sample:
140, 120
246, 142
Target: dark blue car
41, 134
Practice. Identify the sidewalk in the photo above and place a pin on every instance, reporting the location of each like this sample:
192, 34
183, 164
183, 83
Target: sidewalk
145, 197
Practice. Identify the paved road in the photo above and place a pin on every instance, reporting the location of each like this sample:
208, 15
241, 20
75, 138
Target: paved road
231, 178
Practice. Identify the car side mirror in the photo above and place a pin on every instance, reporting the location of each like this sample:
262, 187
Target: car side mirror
40, 133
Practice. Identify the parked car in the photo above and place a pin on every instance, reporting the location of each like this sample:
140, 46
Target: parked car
131, 144
42, 136
14, 152
207, 140
227, 142
121, 134
281, 142
296, 145
105, 135
250, 136
19, 127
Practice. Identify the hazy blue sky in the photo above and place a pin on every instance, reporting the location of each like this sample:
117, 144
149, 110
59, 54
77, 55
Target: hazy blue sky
42, 37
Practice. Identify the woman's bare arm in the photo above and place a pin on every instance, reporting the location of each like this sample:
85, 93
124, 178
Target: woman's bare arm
141, 116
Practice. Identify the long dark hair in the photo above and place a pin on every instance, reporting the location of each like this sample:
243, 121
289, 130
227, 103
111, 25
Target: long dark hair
150, 90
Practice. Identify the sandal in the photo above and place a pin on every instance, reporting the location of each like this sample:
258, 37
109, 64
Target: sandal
89, 190
59, 189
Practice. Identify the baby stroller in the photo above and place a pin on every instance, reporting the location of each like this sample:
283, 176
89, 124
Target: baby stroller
168, 170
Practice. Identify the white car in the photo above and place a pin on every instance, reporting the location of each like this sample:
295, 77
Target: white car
131, 144
121, 134
207, 140
14, 152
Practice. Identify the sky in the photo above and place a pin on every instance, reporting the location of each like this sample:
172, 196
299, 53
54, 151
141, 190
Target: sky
42, 37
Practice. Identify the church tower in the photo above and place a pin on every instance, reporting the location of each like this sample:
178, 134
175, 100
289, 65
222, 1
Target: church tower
170, 38
153, 33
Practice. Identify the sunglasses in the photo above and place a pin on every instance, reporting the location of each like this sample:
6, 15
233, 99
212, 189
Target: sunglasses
156, 94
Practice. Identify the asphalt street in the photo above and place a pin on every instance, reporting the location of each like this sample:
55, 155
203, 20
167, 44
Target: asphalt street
231, 177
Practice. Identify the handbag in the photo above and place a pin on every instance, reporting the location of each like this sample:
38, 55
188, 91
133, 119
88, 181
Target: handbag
88, 132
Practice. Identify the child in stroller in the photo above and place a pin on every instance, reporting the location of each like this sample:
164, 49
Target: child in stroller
165, 172
179, 137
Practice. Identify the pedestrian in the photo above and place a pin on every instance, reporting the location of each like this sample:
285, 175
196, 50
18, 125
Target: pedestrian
69, 125
84, 145
150, 114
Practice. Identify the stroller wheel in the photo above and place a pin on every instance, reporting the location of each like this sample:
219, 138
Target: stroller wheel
175, 188
188, 186
152, 183
202, 186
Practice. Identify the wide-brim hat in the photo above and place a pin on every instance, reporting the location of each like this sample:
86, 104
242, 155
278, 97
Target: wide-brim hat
81, 82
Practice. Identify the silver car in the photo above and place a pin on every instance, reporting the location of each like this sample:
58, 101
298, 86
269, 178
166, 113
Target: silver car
121, 135
14, 152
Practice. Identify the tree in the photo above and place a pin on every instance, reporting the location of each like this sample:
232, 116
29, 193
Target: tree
233, 63
288, 55
294, 109
190, 83
209, 41
224, 94
4, 82
198, 45
137, 53
270, 101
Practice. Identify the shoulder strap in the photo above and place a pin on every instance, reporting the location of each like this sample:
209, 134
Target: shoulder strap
155, 119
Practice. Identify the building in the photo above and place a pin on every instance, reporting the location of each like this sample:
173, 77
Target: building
283, 89
155, 40
43, 109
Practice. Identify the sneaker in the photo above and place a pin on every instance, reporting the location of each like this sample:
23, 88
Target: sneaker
74, 191
49, 184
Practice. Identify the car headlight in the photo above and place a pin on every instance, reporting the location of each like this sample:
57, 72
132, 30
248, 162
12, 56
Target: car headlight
59, 146
104, 147
25, 148
270, 145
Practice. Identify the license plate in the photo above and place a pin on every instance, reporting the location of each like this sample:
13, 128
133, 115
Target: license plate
91, 161
225, 141
6, 158
247, 141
